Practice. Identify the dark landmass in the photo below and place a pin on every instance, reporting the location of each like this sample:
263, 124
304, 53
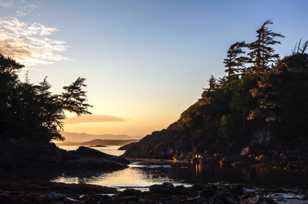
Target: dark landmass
99, 142
29, 192
20, 156
127, 146
74, 137
257, 112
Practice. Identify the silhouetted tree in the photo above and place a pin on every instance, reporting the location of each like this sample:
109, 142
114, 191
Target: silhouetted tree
235, 61
30, 112
74, 97
212, 83
262, 53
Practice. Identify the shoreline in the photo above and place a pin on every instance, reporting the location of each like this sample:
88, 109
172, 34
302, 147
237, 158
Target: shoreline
33, 191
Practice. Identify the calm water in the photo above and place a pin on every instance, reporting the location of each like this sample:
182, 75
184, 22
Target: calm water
140, 175
111, 149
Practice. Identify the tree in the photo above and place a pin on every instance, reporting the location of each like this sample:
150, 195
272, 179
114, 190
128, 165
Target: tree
262, 54
299, 48
74, 97
212, 83
31, 112
235, 61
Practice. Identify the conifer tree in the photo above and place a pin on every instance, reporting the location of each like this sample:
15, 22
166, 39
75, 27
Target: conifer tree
262, 54
235, 61
31, 112
212, 83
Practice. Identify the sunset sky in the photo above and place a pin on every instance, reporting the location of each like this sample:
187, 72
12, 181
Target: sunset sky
145, 61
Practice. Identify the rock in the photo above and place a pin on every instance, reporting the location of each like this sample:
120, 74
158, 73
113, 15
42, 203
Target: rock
236, 190
70, 200
127, 146
48, 156
4, 197
207, 193
266, 201
165, 188
252, 198
130, 192
99, 163
89, 152
180, 190
95, 199
249, 198
85, 158
55, 196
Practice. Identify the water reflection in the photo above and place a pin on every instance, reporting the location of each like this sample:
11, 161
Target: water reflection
136, 176
142, 175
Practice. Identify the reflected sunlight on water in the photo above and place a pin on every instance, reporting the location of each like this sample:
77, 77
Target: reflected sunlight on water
145, 173
137, 175
133, 177
111, 149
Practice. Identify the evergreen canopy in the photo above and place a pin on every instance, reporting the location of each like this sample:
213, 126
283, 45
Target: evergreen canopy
31, 112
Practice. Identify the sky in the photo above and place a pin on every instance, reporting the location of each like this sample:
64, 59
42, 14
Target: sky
145, 61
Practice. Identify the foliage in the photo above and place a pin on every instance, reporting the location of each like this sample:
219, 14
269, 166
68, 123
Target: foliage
255, 105
31, 112
262, 54
262, 102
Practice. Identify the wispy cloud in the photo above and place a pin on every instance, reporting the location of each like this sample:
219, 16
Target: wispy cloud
21, 7
30, 44
93, 119
6, 3
26, 10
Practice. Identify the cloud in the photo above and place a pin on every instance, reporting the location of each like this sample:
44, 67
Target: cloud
6, 3
26, 9
30, 44
93, 119
21, 7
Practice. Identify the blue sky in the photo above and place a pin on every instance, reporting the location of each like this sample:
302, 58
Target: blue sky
148, 60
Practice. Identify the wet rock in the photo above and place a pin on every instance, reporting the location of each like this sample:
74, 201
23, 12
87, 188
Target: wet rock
95, 199
249, 198
252, 198
130, 192
55, 196
180, 190
4, 197
70, 200
236, 190
165, 188
266, 201
208, 192
224, 197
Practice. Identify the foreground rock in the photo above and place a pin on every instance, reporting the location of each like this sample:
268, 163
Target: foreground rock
56, 193
20, 156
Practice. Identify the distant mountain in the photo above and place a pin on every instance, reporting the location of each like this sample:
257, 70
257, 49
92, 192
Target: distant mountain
100, 142
73, 137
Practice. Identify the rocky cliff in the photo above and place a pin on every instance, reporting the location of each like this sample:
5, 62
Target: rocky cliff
264, 113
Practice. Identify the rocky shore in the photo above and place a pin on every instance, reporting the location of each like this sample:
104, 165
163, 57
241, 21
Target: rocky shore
19, 157
35, 192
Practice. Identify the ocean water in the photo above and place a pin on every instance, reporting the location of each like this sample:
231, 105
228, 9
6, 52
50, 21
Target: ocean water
111, 149
142, 174
137, 175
